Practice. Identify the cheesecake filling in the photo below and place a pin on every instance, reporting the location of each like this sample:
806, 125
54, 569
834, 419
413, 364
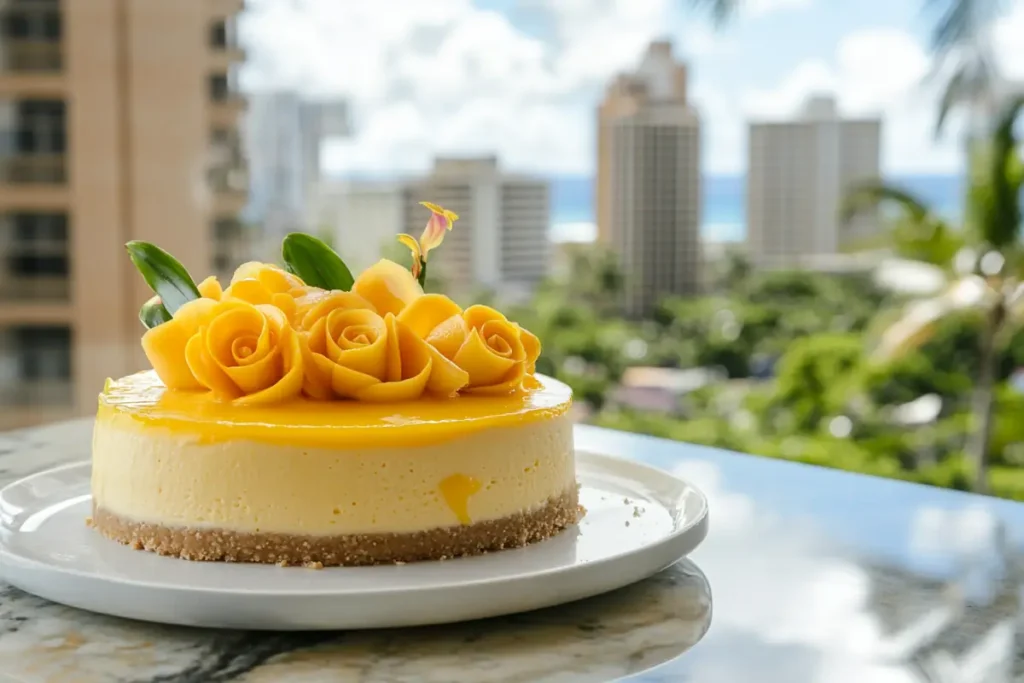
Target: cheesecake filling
147, 478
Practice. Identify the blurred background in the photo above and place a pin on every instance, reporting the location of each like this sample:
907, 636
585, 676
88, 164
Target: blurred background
785, 227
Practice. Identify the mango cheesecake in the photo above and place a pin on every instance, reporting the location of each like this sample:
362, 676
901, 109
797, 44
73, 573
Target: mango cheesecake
300, 416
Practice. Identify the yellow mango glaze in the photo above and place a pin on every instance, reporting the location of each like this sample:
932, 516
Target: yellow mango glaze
141, 401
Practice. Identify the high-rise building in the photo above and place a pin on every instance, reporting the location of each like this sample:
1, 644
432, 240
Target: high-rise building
284, 135
363, 218
648, 180
798, 174
501, 239
118, 121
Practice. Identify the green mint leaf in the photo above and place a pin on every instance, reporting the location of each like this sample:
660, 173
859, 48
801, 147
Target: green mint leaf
153, 313
164, 274
315, 262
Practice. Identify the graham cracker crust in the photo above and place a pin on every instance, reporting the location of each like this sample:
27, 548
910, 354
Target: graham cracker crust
213, 545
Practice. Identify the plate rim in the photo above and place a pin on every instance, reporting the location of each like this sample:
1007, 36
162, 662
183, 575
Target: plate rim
697, 523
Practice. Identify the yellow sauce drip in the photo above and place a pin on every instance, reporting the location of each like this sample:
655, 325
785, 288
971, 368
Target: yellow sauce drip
456, 490
141, 400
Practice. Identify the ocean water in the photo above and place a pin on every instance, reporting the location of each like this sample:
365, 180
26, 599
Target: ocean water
724, 219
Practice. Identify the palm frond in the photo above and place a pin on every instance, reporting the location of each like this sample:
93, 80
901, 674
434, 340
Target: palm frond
871, 194
995, 176
917, 323
1015, 305
918, 234
974, 80
721, 11
961, 22
1004, 224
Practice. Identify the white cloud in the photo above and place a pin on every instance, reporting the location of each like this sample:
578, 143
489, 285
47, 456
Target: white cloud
810, 77
449, 77
760, 7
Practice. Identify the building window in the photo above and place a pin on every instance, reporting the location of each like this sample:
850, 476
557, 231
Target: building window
31, 21
220, 89
32, 141
36, 262
33, 127
30, 36
226, 229
44, 352
221, 136
219, 34
35, 365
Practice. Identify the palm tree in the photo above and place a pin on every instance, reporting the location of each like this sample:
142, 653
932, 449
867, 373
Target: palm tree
983, 263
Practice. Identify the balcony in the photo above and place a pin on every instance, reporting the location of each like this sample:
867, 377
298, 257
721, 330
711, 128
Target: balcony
33, 169
226, 101
222, 59
41, 392
230, 189
229, 202
35, 289
33, 182
31, 68
30, 55
24, 403
226, 111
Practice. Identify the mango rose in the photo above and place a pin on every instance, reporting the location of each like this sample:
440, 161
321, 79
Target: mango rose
314, 307
352, 351
164, 345
356, 353
388, 286
264, 283
246, 353
495, 354
210, 288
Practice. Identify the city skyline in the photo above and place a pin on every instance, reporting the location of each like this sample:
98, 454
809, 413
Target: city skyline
418, 88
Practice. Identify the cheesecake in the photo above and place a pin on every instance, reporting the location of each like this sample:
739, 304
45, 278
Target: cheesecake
302, 416
331, 483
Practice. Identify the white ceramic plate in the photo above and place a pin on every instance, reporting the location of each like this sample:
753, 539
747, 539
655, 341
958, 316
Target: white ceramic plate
639, 520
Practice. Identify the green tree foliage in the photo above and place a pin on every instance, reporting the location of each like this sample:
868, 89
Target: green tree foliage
816, 377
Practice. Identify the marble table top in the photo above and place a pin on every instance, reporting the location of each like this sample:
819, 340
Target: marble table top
818, 576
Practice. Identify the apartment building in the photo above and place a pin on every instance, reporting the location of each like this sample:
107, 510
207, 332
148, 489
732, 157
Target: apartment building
798, 174
118, 121
501, 240
284, 136
648, 190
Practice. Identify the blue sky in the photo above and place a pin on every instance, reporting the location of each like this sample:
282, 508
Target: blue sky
521, 78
